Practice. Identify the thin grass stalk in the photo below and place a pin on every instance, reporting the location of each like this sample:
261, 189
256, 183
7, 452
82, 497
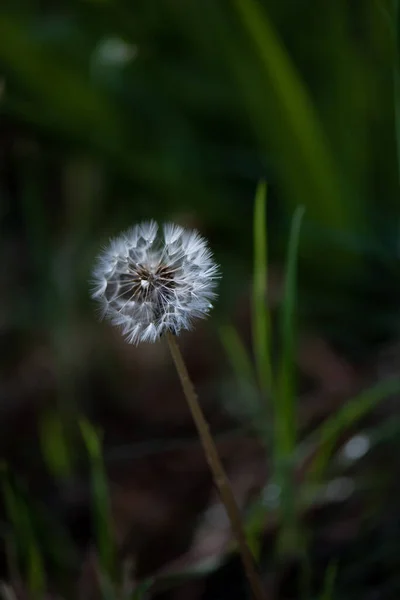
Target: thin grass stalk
285, 406
261, 326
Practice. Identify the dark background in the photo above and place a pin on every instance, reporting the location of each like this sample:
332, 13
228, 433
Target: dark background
115, 111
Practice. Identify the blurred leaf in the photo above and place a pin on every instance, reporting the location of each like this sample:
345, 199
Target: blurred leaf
327, 435
306, 163
36, 575
101, 501
70, 102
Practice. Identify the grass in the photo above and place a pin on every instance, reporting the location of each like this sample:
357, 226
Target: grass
281, 387
261, 322
276, 379
216, 98
103, 525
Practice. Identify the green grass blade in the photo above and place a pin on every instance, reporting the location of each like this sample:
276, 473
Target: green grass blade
329, 582
35, 569
101, 501
237, 353
285, 387
301, 145
260, 312
285, 408
328, 433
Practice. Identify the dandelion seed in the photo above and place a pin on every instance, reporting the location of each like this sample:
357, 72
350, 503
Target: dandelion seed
149, 281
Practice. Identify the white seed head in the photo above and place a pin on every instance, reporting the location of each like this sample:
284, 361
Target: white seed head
150, 280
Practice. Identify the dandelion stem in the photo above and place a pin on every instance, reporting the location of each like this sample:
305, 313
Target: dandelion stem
220, 478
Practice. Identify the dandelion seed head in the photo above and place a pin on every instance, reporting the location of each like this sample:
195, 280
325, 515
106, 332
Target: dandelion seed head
151, 280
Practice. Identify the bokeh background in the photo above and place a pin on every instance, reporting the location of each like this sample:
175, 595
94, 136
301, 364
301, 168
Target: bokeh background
113, 112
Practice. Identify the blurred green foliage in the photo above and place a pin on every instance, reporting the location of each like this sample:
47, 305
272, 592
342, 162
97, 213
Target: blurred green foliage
166, 108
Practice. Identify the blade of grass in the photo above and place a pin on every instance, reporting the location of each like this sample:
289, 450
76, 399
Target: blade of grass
329, 582
326, 436
285, 386
302, 148
285, 395
261, 327
36, 574
101, 501
237, 353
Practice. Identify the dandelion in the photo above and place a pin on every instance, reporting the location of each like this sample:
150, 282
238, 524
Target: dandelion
150, 281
